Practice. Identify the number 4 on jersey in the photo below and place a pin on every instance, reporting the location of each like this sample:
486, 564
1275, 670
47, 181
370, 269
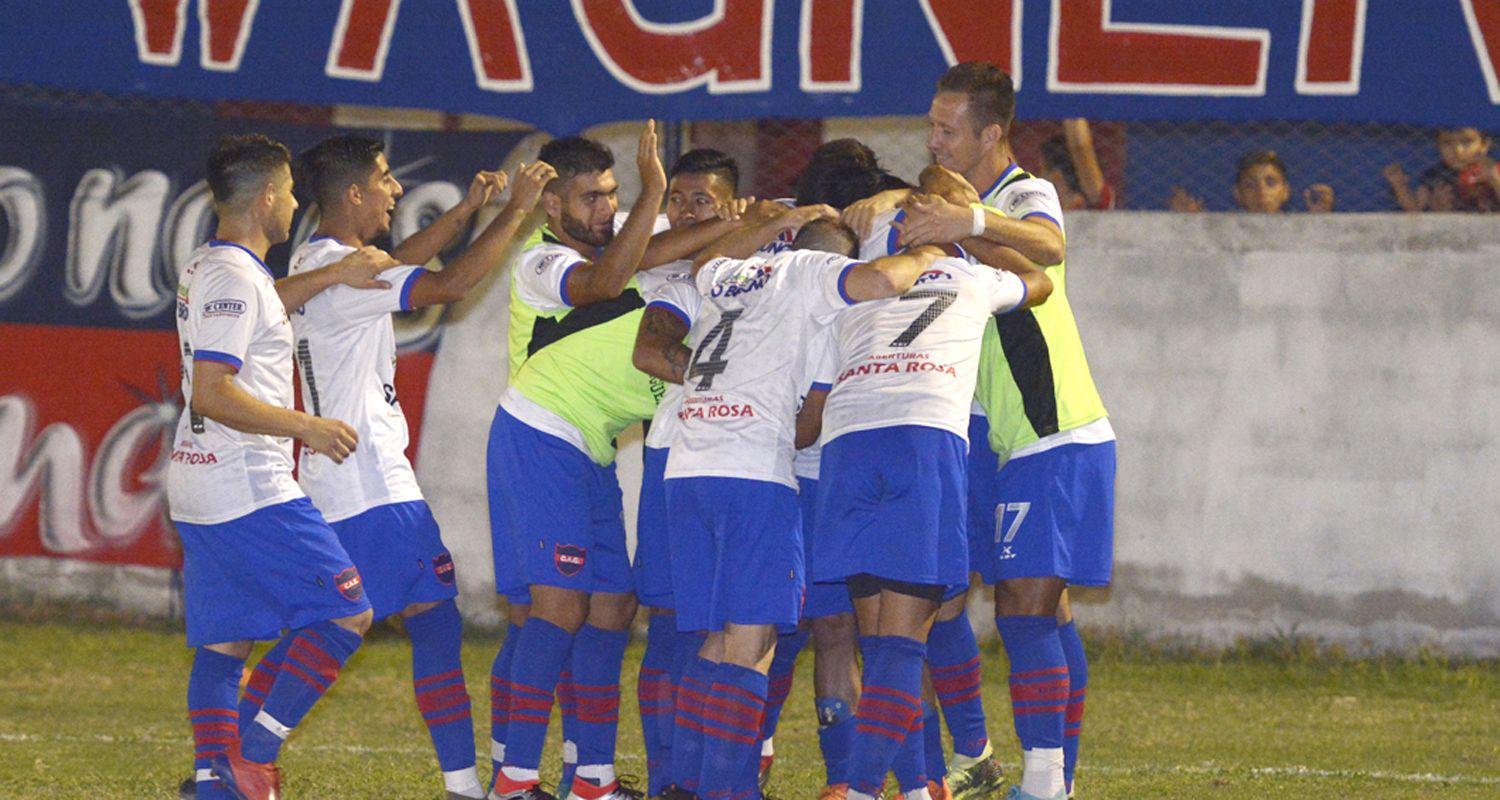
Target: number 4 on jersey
718, 336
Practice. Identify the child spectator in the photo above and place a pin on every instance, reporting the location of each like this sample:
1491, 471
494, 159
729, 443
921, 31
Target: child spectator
1261, 187
1464, 179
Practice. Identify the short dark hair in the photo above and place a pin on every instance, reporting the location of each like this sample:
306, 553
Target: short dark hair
327, 168
842, 183
1257, 157
575, 155
240, 162
708, 161
848, 150
992, 95
827, 235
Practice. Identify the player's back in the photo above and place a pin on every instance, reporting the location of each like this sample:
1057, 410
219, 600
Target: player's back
740, 394
346, 352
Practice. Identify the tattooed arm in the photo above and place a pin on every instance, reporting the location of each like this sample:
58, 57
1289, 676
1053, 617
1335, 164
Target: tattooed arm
659, 350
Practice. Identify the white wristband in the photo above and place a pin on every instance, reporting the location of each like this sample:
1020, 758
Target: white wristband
978, 229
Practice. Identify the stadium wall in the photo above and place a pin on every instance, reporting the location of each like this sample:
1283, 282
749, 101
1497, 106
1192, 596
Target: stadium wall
1308, 437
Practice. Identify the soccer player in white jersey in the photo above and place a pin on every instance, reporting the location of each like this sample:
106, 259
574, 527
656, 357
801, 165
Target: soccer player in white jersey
701, 186
731, 491
258, 558
347, 356
892, 497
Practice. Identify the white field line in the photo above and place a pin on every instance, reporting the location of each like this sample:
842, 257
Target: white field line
1208, 768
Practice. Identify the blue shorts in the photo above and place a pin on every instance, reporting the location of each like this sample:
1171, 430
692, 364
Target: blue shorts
983, 469
653, 557
555, 516
823, 599
891, 503
1057, 517
736, 553
277, 568
400, 556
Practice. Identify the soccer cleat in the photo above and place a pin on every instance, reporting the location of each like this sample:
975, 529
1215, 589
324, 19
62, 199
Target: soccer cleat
506, 789
982, 779
836, 791
619, 789
675, 792
188, 789
246, 780
764, 777
1015, 793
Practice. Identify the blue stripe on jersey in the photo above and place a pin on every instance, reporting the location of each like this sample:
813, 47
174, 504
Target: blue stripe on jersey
411, 281
1045, 216
677, 312
843, 278
1008, 170
224, 243
821, 387
215, 355
890, 239
562, 286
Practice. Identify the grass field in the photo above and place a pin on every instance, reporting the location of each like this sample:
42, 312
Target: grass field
97, 710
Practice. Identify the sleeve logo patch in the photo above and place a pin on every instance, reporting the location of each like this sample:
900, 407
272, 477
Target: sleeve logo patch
1015, 202
442, 566
224, 308
349, 584
549, 262
569, 558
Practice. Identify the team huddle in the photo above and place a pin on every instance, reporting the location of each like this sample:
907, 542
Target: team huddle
854, 399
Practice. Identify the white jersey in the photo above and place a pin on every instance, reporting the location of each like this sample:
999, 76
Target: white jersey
752, 338
1020, 195
228, 312
822, 368
346, 352
914, 359
674, 292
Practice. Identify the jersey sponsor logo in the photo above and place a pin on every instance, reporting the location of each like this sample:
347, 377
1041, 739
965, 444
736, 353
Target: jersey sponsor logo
193, 459
744, 282
715, 407
897, 363
548, 262
569, 558
442, 567
933, 275
1021, 197
349, 584
223, 308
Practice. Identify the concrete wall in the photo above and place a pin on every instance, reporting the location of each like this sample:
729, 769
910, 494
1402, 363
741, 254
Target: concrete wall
1307, 413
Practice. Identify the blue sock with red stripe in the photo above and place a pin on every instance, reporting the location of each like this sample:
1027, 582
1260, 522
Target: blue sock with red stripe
260, 682
500, 674
597, 654
653, 692
567, 710
442, 697
732, 718
953, 656
835, 737
888, 709
909, 764
1078, 681
313, 659
1038, 697
543, 650
212, 687
687, 739
783, 667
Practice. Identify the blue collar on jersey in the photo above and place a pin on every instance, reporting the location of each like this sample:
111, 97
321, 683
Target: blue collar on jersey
223, 243
996, 185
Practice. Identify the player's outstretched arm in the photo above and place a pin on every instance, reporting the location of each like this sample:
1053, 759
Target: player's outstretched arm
861, 215
931, 219
218, 397
509, 227
765, 221
1080, 141
888, 276
676, 244
607, 276
659, 350
810, 418
1038, 282
422, 246
358, 269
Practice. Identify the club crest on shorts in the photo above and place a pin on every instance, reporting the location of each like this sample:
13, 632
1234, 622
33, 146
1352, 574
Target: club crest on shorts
442, 566
349, 584
569, 558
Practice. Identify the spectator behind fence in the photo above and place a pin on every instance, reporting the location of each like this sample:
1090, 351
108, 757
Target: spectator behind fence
1261, 186
1464, 179
1070, 162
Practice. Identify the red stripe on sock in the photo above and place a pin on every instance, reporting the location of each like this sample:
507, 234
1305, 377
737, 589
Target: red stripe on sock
1051, 690
1038, 673
431, 679
881, 732
462, 713
895, 694
440, 699
217, 712
1037, 710
972, 665
296, 671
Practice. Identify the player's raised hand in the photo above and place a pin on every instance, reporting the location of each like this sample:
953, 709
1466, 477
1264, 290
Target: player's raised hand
732, 209
861, 215
653, 177
531, 179
793, 220
360, 268
330, 437
947, 184
932, 220
485, 187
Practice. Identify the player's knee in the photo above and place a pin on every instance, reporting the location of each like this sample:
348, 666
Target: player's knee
953, 606
1031, 597
357, 624
612, 611
834, 634
565, 608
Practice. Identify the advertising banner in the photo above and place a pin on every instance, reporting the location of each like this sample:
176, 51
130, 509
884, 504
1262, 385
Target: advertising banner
564, 66
97, 216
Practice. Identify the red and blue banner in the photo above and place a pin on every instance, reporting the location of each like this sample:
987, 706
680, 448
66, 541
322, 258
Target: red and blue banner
99, 208
564, 65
